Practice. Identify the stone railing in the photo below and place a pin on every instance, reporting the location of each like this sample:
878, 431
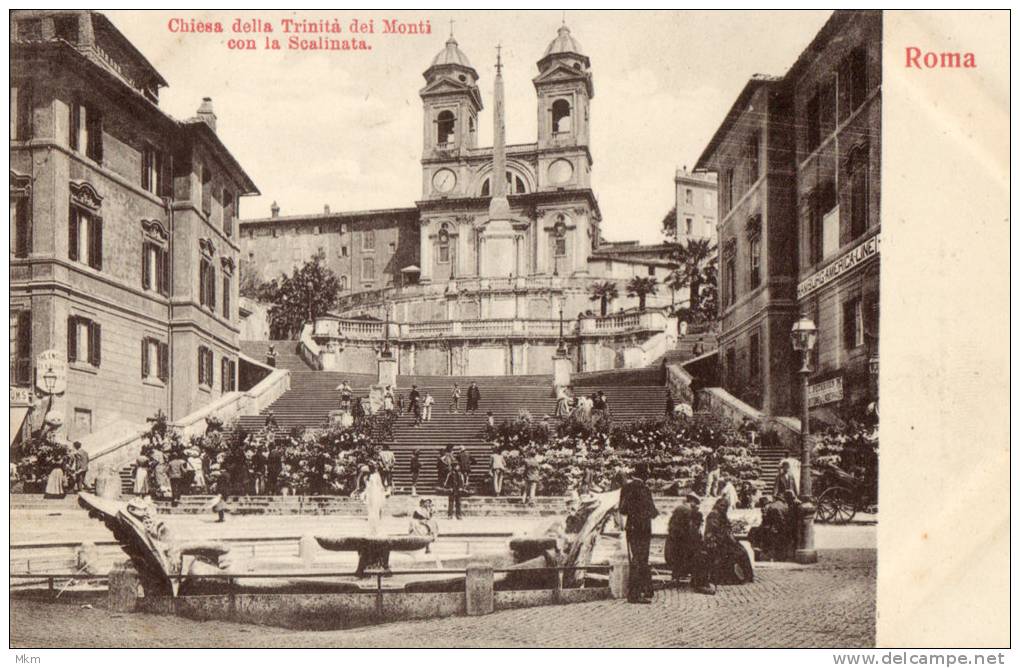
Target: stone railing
120, 443
308, 347
469, 284
332, 328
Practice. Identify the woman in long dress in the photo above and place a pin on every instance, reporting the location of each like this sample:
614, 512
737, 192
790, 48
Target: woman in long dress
141, 486
375, 497
161, 474
56, 481
729, 561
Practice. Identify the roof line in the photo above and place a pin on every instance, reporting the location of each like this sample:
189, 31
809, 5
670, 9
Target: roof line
323, 216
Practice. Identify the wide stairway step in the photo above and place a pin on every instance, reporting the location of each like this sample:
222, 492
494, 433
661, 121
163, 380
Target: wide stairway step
287, 356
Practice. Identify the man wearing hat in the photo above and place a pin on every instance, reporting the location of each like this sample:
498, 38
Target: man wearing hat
638, 510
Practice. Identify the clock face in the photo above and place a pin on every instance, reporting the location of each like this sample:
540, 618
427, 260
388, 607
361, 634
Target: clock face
561, 171
444, 180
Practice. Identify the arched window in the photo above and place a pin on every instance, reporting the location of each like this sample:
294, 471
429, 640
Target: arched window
471, 124
514, 185
561, 120
443, 244
445, 123
343, 283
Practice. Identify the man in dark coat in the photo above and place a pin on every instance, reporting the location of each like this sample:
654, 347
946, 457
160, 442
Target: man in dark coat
444, 464
683, 539
474, 395
776, 537
638, 510
456, 485
274, 465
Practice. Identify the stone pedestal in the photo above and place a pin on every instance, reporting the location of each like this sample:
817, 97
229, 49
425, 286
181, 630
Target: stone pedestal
124, 588
619, 577
388, 370
562, 369
307, 547
478, 589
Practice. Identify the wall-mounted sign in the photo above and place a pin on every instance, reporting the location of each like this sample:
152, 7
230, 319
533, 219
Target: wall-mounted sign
852, 258
825, 392
51, 372
21, 396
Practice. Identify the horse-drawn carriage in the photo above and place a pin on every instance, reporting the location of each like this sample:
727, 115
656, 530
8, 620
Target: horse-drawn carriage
843, 493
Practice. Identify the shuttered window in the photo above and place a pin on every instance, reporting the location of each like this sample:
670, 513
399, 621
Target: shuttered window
85, 237
84, 341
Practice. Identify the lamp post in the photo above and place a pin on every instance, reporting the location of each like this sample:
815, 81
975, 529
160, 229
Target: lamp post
803, 337
561, 348
50, 381
386, 332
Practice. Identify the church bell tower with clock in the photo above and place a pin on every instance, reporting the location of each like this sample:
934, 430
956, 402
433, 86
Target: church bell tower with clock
451, 102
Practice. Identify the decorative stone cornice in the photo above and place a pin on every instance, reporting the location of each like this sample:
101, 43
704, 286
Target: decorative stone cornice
20, 183
84, 194
207, 248
155, 231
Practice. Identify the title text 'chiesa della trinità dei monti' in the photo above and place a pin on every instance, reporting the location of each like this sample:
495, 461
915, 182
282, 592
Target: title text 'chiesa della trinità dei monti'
481, 276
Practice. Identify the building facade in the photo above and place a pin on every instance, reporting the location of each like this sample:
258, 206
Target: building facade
697, 207
124, 250
476, 277
798, 159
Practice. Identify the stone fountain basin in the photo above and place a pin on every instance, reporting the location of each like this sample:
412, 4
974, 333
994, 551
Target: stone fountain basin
405, 543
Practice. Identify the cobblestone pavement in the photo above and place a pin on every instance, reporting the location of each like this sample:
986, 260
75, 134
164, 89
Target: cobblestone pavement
831, 604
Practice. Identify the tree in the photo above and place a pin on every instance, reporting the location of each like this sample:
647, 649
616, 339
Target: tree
695, 262
310, 292
641, 287
604, 292
669, 225
250, 281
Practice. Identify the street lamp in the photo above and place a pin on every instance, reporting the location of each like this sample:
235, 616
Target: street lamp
803, 337
50, 381
386, 332
561, 349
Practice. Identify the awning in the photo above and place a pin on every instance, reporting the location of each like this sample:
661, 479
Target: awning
18, 414
411, 269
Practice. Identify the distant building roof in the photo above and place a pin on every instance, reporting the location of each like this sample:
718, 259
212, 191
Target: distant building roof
333, 215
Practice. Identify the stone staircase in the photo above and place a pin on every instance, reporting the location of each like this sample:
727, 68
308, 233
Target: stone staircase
769, 456
287, 356
312, 396
632, 395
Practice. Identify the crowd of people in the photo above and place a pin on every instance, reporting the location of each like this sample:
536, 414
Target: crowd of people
418, 405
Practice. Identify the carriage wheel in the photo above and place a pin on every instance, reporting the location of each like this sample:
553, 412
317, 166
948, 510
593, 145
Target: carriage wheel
826, 505
836, 505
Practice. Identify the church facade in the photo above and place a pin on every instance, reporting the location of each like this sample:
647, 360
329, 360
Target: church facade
477, 276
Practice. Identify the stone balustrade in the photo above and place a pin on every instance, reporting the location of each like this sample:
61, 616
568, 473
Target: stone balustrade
462, 285
332, 328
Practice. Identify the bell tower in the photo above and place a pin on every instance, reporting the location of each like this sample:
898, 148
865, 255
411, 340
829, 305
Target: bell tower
451, 102
564, 88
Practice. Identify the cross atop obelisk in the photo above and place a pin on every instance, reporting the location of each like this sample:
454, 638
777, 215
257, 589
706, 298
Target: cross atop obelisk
499, 207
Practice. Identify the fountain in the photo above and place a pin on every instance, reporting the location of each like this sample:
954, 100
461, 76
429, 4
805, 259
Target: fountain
159, 556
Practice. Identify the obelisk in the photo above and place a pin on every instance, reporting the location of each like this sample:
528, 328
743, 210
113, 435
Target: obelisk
497, 253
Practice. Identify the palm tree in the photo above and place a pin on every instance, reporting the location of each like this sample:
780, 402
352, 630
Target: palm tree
695, 266
604, 292
641, 287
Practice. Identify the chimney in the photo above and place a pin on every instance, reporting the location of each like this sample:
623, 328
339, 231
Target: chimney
274, 210
205, 113
325, 209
